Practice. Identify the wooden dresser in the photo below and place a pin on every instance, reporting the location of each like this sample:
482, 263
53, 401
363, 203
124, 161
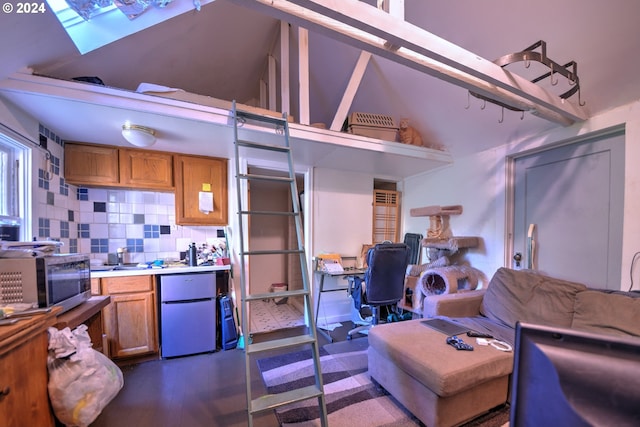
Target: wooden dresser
24, 400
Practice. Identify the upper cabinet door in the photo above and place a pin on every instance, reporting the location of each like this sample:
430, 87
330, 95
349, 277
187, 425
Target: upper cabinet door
91, 164
109, 166
146, 169
201, 190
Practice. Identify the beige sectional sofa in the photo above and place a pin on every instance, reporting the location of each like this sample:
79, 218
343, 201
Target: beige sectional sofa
445, 387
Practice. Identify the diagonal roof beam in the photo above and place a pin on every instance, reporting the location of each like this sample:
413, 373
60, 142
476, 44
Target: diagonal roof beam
350, 91
373, 30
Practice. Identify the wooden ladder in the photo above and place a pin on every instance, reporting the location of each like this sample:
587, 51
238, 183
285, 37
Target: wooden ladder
281, 148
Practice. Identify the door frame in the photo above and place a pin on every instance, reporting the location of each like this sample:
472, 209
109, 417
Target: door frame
510, 179
306, 173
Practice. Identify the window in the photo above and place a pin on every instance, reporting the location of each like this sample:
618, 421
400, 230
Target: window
14, 189
386, 215
104, 22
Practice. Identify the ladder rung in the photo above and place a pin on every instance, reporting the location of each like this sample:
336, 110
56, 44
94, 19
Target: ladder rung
271, 401
260, 118
275, 213
279, 294
270, 147
251, 176
280, 343
273, 252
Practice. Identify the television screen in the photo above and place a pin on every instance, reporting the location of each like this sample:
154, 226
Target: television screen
563, 377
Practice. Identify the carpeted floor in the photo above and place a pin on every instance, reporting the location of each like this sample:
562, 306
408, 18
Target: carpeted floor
352, 398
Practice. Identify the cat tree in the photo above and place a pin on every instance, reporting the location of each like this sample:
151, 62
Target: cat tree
438, 276
439, 237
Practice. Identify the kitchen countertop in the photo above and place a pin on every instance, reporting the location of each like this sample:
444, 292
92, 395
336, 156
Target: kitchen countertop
158, 271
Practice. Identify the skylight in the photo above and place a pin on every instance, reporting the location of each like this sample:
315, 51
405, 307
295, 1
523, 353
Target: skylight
103, 25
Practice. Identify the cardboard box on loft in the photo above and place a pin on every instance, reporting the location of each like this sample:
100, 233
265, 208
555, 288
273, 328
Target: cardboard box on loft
377, 126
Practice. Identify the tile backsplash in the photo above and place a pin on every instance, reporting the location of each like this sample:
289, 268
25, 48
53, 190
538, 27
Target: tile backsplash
98, 221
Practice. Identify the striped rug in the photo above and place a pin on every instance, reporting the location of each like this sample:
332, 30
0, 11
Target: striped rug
352, 399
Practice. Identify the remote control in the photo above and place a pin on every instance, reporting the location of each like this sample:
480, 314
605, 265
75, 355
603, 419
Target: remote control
458, 344
475, 334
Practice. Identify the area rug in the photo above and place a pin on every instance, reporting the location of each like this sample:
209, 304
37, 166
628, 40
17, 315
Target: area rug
268, 316
352, 399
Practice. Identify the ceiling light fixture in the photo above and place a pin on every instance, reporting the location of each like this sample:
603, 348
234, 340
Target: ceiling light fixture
137, 135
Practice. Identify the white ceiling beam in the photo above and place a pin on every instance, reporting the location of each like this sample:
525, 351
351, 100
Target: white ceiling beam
271, 74
401, 33
303, 76
263, 94
350, 91
285, 100
368, 28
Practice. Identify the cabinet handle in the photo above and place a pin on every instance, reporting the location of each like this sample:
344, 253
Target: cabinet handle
5, 392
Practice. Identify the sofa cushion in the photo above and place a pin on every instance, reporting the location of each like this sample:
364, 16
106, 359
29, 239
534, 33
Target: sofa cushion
422, 352
528, 296
607, 313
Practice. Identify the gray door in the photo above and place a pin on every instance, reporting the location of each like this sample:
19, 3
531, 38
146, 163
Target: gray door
569, 208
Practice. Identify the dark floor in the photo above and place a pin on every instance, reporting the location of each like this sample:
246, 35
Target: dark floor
203, 390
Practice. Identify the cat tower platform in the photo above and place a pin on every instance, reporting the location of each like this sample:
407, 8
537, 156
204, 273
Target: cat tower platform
438, 235
436, 211
452, 244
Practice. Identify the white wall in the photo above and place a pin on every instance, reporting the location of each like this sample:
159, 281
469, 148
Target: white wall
473, 182
342, 223
478, 183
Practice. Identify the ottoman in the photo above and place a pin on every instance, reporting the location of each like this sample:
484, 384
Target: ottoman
440, 385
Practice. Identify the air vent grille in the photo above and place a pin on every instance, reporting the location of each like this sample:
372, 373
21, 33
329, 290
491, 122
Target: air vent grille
11, 287
386, 197
371, 119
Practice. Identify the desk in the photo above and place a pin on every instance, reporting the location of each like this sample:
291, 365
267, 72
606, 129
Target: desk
90, 314
346, 273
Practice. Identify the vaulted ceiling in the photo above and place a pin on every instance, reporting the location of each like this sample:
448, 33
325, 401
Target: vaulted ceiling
222, 51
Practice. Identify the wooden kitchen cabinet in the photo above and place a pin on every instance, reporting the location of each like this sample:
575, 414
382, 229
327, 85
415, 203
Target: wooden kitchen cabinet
195, 174
95, 286
91, 164
147, 169
108, 166
24, 398
130, 321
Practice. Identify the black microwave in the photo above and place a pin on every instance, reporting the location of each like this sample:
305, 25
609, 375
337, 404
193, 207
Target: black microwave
56, 280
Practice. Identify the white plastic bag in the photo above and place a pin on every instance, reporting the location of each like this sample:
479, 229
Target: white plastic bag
82, 381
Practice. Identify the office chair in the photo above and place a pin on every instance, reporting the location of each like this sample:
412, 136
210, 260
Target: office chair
384, 279
414, 241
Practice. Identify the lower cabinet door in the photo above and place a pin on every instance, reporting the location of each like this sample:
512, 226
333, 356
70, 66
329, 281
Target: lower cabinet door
130, 324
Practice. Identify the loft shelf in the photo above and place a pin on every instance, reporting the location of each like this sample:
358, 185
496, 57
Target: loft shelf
201, 125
